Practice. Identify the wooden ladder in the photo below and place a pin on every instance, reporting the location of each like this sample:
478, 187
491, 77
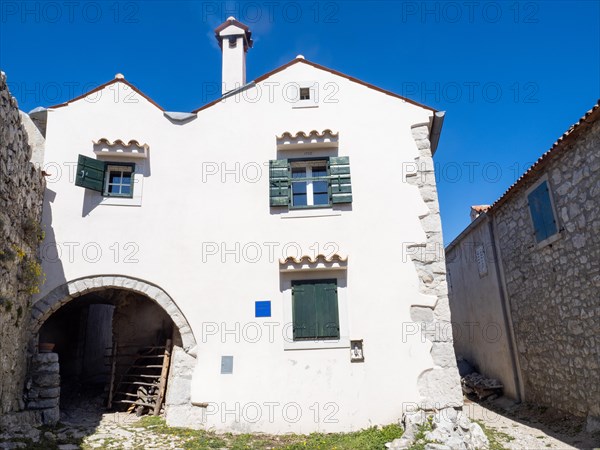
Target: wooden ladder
144, 382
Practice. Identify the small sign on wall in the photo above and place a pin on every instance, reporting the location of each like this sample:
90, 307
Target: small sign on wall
481, 261
262, 308
226, 365
356, 351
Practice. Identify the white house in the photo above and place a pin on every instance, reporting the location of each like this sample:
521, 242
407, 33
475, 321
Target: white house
286, 238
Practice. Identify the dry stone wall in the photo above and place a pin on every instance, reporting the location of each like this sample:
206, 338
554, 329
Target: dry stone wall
43, 387
21, 193
554, 289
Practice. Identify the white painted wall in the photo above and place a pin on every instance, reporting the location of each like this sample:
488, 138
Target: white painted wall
180, 212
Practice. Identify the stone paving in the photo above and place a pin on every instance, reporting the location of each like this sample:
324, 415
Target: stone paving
524, 427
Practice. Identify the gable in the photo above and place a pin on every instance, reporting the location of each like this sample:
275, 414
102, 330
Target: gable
342, 75
118, 89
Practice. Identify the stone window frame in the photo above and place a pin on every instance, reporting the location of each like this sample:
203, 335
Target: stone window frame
556, 236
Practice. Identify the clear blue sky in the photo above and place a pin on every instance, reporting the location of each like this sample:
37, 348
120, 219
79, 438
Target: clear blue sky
512, 76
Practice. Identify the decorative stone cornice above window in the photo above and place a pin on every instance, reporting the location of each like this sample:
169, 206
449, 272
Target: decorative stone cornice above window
325, 139
306, 263
118, 148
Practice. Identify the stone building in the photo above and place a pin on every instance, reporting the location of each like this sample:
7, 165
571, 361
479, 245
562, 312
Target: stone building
524, 279
21, 193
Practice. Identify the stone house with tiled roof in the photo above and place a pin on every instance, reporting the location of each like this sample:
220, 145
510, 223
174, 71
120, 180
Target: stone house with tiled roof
524, 279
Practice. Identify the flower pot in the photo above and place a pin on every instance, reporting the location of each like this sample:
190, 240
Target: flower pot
46, 347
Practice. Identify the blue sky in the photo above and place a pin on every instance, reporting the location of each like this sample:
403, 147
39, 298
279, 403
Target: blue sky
512, 76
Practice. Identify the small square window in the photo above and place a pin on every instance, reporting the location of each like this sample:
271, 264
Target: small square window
118, 181
304, 93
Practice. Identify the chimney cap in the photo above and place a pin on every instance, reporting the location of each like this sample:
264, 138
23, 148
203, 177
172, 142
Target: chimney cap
244, 30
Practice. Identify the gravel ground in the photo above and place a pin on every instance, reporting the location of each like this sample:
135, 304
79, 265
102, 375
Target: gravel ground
521, 426
513, 427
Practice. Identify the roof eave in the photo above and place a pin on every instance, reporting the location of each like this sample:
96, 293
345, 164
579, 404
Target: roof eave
335, 72
102, 86
576, 129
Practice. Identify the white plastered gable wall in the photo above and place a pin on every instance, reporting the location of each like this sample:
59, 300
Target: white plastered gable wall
190, 210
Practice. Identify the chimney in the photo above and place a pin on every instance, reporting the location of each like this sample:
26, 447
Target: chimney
235, 39
477, 210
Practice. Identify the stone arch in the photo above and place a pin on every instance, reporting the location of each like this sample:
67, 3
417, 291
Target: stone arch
63, 294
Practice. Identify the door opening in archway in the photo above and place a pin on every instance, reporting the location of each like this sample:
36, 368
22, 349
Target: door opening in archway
113, 347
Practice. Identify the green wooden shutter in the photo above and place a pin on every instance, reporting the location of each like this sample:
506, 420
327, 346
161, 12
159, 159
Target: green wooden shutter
90, 173
279, 182
303, 311
315, 310
542, 215
339, 173
328, 321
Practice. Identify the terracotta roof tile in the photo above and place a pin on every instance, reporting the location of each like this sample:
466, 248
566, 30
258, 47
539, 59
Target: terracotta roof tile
317, 259
311, 134
119, 142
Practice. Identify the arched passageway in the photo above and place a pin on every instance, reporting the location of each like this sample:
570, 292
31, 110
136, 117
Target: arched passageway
113, 337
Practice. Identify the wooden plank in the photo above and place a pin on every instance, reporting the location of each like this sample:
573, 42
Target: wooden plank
132, 402
163, 378
140, 383
137, 346
112, 374
129, 394
142, 376
149, 366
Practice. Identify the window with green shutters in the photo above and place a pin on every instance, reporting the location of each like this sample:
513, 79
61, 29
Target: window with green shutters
109, 178
310, 183
90, 173
542, 212
315, 312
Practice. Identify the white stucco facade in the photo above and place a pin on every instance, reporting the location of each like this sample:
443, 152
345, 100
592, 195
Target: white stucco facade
201, 228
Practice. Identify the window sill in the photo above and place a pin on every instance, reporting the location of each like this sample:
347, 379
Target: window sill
343, 342
310, 212
550, 240
121, 201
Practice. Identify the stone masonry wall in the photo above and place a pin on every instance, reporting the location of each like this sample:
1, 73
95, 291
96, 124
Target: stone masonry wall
43, 387
554, 290
439, 386
21, 192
